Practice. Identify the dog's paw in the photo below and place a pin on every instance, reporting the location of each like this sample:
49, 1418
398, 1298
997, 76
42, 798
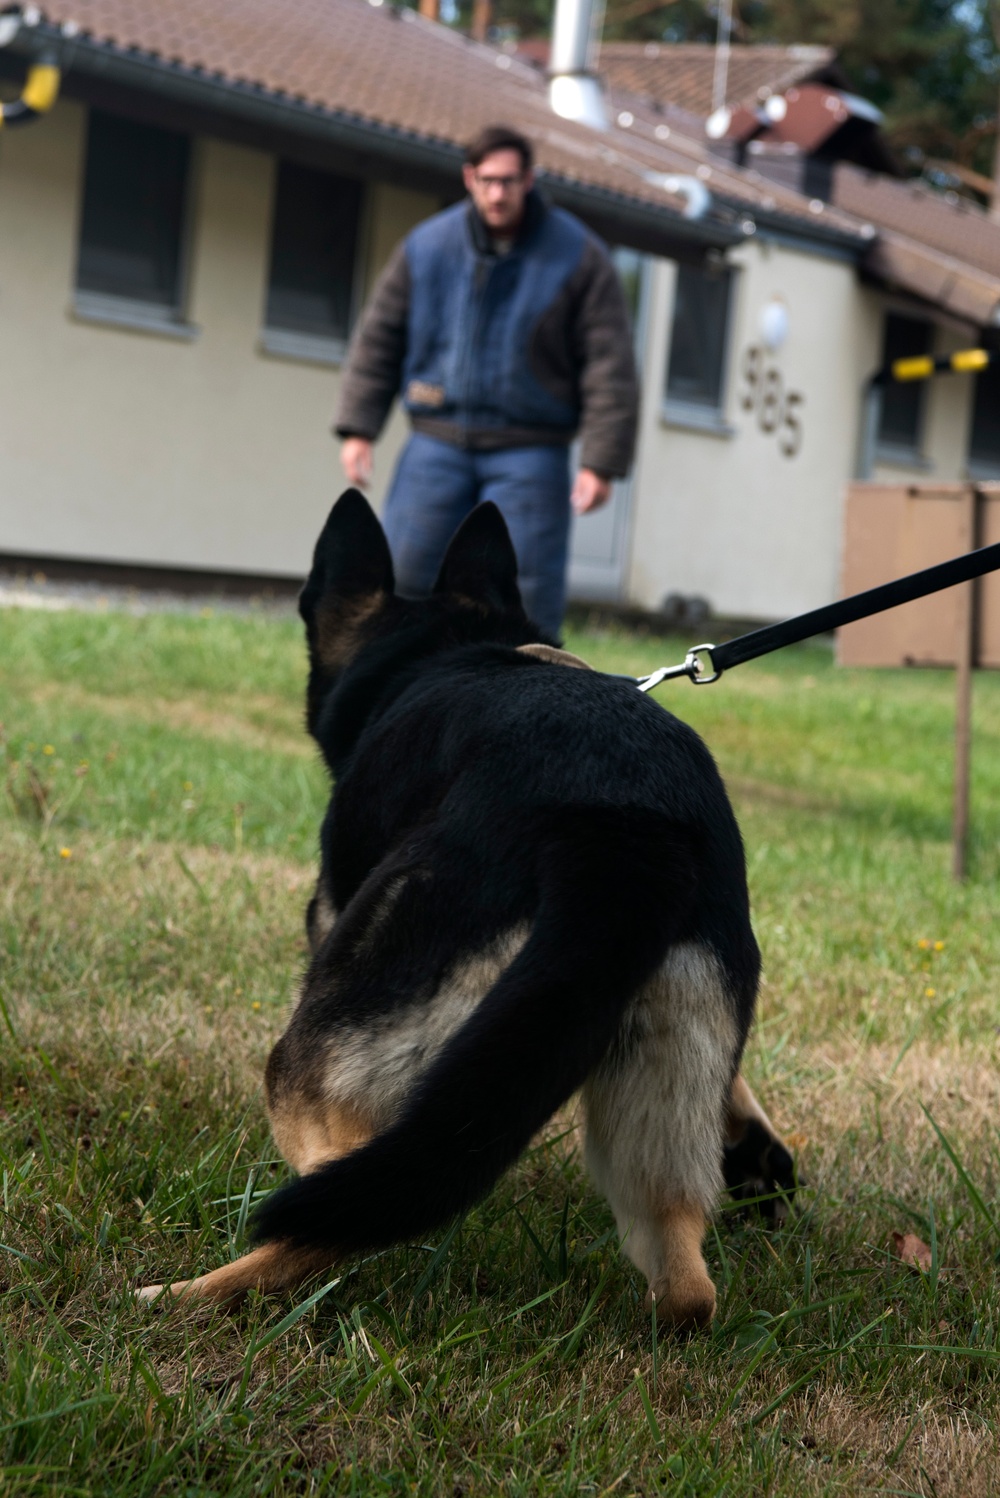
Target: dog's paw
162, 1296
760, 1172
684, 1305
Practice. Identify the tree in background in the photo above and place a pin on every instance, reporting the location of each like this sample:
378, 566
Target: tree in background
932, 66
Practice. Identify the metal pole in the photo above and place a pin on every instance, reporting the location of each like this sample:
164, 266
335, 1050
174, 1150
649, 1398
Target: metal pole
966, 658
720, 77
574, 90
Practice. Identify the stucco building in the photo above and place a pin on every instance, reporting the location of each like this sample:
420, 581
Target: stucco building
186, 238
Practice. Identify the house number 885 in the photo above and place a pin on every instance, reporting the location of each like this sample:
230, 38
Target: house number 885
778, 409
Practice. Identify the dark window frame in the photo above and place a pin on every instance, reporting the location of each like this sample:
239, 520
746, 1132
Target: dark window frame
686, 406
93, 302
984, 447
295, 337
902, 422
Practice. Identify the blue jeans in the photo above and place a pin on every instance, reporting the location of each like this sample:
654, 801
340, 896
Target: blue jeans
436, 485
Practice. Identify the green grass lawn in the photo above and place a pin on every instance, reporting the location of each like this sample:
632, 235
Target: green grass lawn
157, 836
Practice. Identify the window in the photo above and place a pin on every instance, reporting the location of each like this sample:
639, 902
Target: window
984, 442
630, 265
699, 340
901, 419
314, 243
132, 227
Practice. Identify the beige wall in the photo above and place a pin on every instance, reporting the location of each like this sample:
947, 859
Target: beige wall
139, 447
728, 517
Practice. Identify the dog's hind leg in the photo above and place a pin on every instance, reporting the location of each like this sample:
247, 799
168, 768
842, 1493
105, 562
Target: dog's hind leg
655, 1113
274, 1266
308, 1137
757, 1164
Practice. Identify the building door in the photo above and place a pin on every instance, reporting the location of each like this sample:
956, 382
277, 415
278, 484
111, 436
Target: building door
599, 541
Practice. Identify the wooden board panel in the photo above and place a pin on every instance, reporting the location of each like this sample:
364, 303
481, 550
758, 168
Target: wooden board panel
989, 594
892, 530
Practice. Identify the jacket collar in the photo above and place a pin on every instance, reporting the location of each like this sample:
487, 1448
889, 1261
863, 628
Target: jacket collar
535, 211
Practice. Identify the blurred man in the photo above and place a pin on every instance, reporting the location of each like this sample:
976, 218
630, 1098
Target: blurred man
502, 323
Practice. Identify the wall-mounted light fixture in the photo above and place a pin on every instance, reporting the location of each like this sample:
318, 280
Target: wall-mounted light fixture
773, 323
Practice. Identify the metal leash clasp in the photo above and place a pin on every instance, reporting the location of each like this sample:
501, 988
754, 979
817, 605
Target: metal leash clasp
693, 668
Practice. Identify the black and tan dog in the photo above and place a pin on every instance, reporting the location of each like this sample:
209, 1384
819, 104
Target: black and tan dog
532, 882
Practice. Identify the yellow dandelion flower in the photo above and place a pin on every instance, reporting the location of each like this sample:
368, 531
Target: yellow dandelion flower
930, 993
939, 946
255, 1005
65, 852
47, 749
923, 944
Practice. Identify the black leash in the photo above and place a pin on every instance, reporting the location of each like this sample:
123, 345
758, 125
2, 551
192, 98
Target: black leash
860, 606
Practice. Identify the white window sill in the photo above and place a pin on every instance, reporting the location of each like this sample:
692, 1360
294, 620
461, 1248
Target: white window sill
139, 317
901, 457
707, 420
307, 348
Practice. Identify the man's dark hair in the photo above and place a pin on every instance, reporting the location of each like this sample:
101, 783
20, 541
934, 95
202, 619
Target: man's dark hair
499, 138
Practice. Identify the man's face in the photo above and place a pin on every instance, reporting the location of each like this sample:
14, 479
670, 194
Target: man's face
498, 187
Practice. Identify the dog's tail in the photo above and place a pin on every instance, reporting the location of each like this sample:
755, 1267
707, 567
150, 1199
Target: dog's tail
616, 890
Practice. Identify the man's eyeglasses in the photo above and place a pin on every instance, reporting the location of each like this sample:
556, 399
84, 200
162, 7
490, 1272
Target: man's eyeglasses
503, 183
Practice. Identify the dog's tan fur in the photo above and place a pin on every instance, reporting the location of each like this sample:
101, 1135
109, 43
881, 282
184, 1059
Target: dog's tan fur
322, 917
655, 1121
743, 1109
341, 626
364, 1078
373, 1068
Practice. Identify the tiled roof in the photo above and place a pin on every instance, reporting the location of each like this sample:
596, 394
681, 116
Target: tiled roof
388, 67
946, 251
681, 74
940, 221
941, 280
369, 60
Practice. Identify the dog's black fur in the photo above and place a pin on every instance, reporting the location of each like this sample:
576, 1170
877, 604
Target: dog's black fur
531, 882
503, 790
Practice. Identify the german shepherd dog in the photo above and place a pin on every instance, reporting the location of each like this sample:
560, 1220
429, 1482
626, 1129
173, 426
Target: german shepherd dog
531, 883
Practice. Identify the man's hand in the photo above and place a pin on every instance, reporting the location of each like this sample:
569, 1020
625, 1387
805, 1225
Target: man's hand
356, 456
590, 491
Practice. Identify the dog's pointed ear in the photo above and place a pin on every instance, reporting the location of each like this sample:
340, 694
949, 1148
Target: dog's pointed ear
351, 558
480, 566
351, 578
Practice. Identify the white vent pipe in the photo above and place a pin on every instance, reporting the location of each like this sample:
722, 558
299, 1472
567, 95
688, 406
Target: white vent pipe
574, 89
